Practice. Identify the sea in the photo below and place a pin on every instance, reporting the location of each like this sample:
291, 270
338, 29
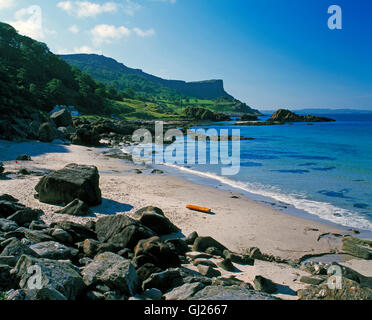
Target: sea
321, 171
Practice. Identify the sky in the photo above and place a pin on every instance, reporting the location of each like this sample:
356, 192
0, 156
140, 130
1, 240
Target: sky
269, 53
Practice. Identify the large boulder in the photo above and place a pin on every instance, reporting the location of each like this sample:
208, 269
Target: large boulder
62, 118
16, 249
283, 116
72, 182
164, 281
55, 275
122, 230
7, 208
25, 216
77, 231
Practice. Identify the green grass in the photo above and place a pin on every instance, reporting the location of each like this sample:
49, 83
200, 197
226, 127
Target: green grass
3, 296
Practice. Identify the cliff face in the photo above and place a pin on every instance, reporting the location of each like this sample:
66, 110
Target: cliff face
109, 70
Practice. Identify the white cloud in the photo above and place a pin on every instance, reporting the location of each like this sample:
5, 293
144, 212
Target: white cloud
86, 9
130, 7
74, 29
104, 33
144, 33
5, 4
29, 22
82, 49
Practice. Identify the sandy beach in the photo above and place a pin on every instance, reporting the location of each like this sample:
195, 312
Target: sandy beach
236, 221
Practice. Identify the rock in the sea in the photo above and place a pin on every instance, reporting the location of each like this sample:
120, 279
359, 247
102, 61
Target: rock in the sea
73, 182
62, 118
54, 250
283, 115
265, 285
55, 275
201, 244
122, 230
348, 290
230, 293
76, 208
157, 222
162, 254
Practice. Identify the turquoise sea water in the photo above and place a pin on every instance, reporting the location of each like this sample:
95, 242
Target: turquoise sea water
323, 169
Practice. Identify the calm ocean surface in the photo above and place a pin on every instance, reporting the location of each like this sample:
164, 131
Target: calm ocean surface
324, 169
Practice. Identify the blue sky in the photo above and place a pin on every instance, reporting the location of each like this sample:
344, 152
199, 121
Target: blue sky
269, 53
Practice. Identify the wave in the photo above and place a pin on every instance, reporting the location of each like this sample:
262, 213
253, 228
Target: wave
323, 210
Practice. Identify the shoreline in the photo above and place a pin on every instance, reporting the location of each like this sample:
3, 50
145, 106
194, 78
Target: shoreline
238, 221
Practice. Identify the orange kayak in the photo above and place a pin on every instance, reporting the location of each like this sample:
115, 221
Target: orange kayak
196, 208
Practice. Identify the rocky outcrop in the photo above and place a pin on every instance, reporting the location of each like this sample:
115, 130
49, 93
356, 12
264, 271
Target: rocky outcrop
73, 182
62, 118
284, 116
203, 114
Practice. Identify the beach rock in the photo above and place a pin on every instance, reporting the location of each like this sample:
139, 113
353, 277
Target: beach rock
312, 280
227, 265
54, 275
94, 270
149, 209
62, 236
158, 223
2, 169
122, 230
44, 294
213, 251
24, 157
350, 290
146, 270
180, 246
6, 278
265, 285
46, 132
35, 236
25, 216
8, 225
7, 197
90, 247
184, 292
7, 208
16, 249
8, 260
37, 225
163, 281
123, 277
238, 258
208, 271
358, 248
201, 244
85, 137
76, 208
62, 118
54, 250
73, 182
77, 231
204, 262
191, 238
217, 293
161, 253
